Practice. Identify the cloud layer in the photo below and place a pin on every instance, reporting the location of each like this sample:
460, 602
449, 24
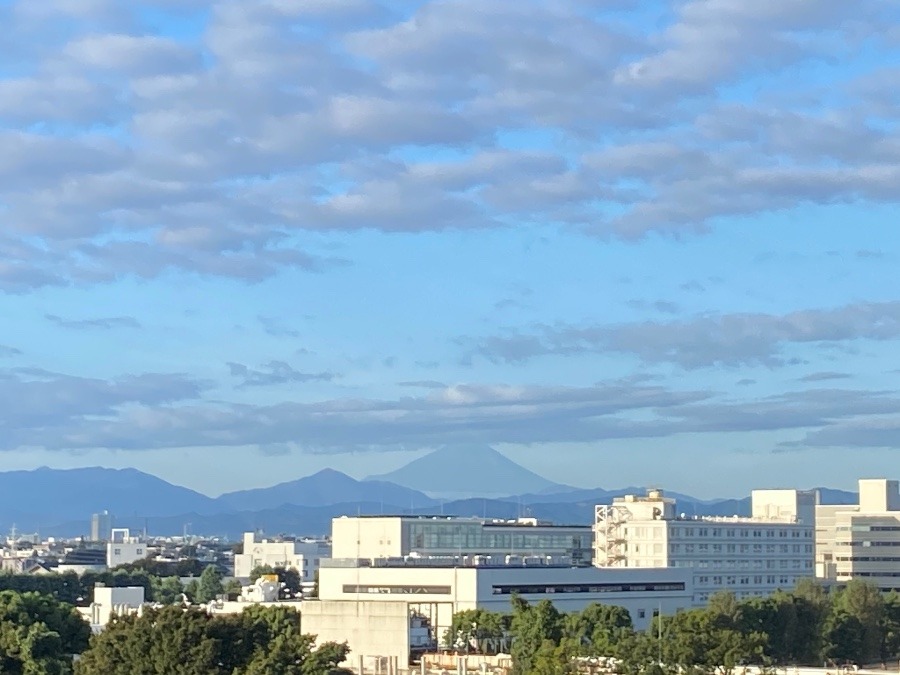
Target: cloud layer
222, 137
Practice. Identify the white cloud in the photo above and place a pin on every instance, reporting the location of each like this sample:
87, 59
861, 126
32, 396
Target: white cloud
282, 116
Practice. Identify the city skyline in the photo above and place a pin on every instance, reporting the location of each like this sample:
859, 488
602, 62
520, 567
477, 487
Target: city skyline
643, 243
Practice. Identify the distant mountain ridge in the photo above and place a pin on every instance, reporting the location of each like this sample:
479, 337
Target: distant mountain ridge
325, 488
464, 470
60, 501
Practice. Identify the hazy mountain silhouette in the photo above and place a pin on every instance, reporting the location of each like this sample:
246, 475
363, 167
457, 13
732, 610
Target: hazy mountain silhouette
469, 470
46, 496
60, 502
324, 488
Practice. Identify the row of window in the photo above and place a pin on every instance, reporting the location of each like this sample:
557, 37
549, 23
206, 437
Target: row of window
866, 544
542, 589
739, 548
398, 590
869, 528
757, 580
743, 564
782, 533
868, 558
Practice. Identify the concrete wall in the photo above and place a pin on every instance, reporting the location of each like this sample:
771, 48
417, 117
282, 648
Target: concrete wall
369, 628
778, 504
354, 537
462, 588
877, 495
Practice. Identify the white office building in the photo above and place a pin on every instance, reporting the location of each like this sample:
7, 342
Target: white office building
301, 555
750, 556
392, 608
373, 537
861, 541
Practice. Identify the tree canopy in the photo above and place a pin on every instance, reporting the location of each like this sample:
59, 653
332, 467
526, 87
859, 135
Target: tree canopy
189, 641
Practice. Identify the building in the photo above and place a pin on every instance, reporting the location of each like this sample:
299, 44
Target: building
750, 556
303, 556
373, 537
395, 608
123, 549
101, 526
83, 559
109, 602
861, 541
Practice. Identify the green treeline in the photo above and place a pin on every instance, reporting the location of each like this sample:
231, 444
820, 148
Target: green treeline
79, 589
188, 641
807, 626
39, 635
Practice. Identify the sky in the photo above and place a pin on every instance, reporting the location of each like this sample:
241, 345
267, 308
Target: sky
623, 242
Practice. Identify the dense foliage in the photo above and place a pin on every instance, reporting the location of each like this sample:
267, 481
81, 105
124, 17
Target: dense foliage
191, 642
39, 634
857, 624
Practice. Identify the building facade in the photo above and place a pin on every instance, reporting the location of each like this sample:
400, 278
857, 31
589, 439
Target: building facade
101, 526
123, 548
374, 537
303, 556
750, 556
392, 609
861, 541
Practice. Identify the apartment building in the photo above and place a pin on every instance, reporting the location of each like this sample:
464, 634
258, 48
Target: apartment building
750, 556
861, 541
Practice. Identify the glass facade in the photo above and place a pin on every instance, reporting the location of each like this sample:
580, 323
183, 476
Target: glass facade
454, 537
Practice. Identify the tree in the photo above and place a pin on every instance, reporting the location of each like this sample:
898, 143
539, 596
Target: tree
598, 629
476, 631
188, 641
39, 634
864, 604
210, 585
232, 588
891, 641
533, 626
167, 590
192, 590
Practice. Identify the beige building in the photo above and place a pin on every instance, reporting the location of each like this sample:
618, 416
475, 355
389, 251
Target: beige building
375, 537
750, 556
861, 541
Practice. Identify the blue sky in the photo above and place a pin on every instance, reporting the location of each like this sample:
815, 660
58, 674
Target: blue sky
622, 242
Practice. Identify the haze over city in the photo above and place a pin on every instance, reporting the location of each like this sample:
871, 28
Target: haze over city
623, 243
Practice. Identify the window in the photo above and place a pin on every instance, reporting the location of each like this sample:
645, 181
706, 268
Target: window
117, 551
642, 613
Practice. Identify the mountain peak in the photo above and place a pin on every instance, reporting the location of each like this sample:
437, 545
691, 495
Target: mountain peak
468, 469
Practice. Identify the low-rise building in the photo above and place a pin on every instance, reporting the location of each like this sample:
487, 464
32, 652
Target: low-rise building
750, 556
302, 555
382, 607
861, 541
112, 601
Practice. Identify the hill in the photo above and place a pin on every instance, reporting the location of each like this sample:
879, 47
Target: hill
45, 496
325, 488
456, 471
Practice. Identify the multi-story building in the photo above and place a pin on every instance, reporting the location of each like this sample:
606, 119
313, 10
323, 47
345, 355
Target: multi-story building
101, 526
380, 605
750, 556
303, 555
861, 541
373, 537
123, 548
